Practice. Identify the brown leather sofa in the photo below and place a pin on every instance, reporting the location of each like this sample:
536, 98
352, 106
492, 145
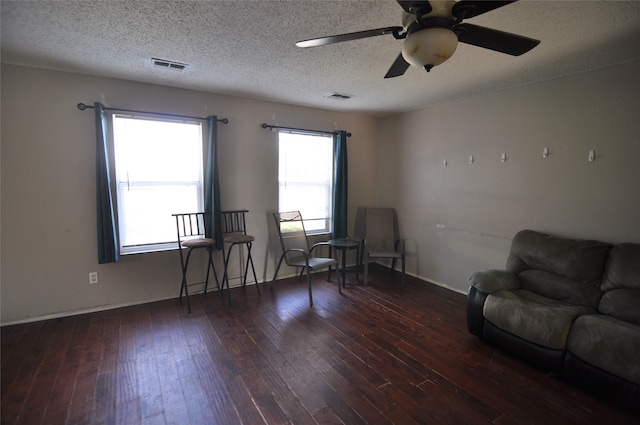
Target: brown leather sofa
571, 307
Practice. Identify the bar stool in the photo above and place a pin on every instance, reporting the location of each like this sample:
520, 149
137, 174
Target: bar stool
192, 235
234, 231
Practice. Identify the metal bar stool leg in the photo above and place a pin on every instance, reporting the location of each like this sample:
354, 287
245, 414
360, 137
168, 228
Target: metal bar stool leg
211, 266
225, 279
184, 282
246, 269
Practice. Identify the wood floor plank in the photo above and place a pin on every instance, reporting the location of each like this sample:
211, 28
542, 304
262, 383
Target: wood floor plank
45, 374
59, 401
103, 410
354, 363
420, 349
236, 403
167, 348
273, 396
20, 370
300, 366
319, 363
405, 369
377, 354
87, 373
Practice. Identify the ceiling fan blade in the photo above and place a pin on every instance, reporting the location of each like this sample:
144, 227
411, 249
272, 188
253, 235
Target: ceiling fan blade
423, 5
314, 42
398, 68
466, 9
500, 41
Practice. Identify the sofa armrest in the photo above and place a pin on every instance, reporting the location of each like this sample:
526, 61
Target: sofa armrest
484, 283
490, 281
475, 306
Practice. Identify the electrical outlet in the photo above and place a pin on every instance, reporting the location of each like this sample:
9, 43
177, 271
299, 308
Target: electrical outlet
93, 278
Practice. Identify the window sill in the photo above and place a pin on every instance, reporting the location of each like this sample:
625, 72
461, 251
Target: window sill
146, 249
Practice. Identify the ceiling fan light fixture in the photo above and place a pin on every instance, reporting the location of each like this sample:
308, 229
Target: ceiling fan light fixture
429, 47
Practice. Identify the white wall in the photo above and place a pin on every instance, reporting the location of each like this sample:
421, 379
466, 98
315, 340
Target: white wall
462, 217
458, 219
48, 185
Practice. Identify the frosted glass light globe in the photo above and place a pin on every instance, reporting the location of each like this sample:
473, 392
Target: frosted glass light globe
429, 47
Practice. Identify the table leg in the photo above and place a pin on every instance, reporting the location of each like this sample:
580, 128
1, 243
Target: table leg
344, 267
337, 269
357, 264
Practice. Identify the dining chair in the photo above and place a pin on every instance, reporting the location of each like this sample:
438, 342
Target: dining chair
377, 229
296, 251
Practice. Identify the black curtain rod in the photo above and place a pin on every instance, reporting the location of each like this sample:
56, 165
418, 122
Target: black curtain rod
82, 107
304, 130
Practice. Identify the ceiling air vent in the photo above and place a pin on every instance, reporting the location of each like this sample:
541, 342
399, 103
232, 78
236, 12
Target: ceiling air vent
338, 96
167, 65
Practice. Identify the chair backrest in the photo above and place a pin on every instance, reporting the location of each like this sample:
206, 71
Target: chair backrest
379, 226
192, 225
233, 222
291, 233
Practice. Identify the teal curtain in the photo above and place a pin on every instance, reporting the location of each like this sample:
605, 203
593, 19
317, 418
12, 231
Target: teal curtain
108, 245
340, 184
212, 184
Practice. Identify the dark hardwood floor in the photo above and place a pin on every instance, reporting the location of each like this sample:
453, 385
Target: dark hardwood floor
378, 354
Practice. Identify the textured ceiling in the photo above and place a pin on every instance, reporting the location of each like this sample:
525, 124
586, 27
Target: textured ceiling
246, 48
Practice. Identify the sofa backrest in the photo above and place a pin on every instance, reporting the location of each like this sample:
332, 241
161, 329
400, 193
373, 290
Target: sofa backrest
568, 270
621, 283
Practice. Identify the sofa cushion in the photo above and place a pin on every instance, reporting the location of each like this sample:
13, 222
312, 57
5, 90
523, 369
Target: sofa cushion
581, 260
561, 288
532, 317
623, 268
623, 304
608, 343
489, 281
621, 283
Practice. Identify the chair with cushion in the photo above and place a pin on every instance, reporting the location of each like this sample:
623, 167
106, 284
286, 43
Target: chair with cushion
296, 251
377, 229
192, 235
234, 230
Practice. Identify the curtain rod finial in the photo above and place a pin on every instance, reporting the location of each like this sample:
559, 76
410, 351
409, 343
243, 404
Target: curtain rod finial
82, 106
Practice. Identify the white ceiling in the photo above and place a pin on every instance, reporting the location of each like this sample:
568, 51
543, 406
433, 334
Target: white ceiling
246, 48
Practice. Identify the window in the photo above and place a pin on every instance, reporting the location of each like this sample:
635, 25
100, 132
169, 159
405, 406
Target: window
305, 177
158, 172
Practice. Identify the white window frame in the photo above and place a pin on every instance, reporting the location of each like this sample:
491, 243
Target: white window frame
164, 178
306, 170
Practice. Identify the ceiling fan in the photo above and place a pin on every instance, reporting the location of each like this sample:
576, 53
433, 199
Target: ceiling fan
432, 30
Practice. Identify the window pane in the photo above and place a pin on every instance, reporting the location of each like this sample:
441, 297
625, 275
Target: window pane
148, 214
305, 174
313, 198
158, 173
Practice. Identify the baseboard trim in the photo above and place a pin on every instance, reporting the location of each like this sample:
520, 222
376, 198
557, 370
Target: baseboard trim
70, 313
151, 300
442, 285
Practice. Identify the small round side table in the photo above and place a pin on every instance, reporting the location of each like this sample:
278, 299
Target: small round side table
343, 245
